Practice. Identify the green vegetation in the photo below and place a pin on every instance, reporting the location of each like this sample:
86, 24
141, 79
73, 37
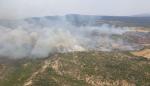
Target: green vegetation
18, 72
82, 69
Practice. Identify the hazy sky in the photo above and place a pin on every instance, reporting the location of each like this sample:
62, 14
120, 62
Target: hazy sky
27, 8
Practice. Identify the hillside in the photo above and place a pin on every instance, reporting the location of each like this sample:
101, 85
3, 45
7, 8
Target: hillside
75, 50
78, 69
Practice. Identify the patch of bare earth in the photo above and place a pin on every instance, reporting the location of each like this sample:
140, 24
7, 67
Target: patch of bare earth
144, 53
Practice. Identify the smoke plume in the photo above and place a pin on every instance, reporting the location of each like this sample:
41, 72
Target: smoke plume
27, 40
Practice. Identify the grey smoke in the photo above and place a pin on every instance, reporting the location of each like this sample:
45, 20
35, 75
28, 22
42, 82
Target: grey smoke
31, 41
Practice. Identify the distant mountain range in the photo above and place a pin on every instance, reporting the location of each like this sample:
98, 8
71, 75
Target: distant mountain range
142, 15
80, 20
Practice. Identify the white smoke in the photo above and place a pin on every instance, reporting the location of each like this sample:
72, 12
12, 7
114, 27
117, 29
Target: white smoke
24, 41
